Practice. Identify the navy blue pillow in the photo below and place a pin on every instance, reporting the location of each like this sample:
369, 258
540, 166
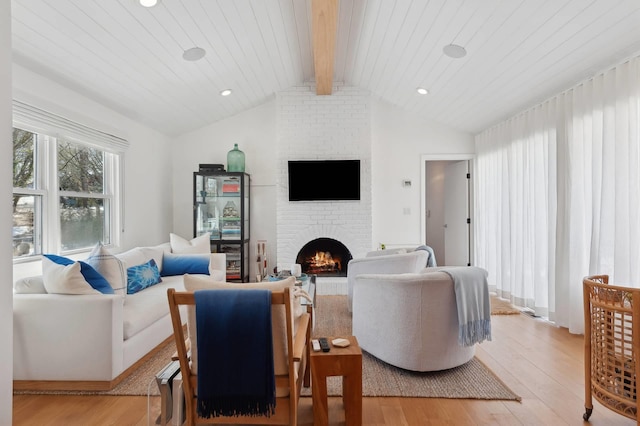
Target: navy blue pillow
180, 264
142, 276
93, 277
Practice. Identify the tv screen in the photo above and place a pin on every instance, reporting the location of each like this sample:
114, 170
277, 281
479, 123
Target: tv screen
315, 180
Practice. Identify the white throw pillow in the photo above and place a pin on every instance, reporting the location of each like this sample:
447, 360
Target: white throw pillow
133, 257
29, 285
200, 282
64, 279
110, 267
201, 244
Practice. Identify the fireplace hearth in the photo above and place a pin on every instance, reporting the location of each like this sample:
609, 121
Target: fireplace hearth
324, 257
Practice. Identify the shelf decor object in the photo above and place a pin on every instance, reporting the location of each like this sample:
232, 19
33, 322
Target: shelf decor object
235, 160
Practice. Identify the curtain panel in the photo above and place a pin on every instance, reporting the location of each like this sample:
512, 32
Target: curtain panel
558, 196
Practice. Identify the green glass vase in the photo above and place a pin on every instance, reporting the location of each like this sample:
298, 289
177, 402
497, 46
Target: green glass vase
235, 160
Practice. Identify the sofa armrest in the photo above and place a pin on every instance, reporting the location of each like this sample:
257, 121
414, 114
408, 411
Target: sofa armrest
65, 337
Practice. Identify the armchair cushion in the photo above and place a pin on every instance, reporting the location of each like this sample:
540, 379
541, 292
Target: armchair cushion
193, 283
400, 263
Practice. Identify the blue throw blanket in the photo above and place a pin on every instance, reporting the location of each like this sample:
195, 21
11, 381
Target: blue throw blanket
473, 302
235, 353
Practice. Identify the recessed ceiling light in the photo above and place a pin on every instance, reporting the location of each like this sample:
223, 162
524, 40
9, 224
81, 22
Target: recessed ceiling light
193, 54
454, 51
422, 91
148, 3
225, 92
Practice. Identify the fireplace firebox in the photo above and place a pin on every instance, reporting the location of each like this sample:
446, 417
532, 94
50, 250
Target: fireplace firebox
324, 257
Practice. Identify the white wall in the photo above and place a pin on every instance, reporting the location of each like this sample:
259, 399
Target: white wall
147, 165
312, 127
6, 154
398, 141
255, 133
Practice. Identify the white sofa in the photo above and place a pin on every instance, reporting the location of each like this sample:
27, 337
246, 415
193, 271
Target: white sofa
394, 261
409, 320
85, 339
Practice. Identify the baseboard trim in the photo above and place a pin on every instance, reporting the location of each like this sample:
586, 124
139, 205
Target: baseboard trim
85, 385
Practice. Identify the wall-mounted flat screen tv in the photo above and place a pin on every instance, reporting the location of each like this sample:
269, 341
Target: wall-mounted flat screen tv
328, 180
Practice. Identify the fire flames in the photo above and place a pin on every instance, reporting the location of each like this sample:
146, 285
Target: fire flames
323, 261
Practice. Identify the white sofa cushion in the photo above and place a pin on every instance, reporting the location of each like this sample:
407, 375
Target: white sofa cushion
133, 257
29, 285
139, 255
201, 244
148, 306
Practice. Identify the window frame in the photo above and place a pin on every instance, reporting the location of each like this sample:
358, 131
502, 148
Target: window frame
47, 189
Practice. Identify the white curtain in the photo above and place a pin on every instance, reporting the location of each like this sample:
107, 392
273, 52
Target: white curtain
558, 196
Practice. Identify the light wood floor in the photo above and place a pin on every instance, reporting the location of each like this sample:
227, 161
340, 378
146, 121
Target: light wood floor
541, 363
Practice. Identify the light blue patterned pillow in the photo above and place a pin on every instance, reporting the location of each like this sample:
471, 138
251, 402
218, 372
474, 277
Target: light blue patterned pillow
142, 276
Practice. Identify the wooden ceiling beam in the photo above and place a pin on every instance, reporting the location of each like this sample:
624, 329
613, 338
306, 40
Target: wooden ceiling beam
324, 26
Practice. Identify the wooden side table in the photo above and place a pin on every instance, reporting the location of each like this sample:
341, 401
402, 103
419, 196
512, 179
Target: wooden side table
345, 362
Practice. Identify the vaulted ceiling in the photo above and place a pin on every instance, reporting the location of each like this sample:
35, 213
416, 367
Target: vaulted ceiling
519, 52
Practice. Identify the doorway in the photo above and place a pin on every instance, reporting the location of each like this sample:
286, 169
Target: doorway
446, 208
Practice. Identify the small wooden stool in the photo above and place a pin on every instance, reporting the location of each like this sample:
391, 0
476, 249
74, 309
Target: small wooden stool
345, 362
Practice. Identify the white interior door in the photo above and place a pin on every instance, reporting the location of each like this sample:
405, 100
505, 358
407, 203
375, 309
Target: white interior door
456, 214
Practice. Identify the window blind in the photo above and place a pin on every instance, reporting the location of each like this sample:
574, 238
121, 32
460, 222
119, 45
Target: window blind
34, 119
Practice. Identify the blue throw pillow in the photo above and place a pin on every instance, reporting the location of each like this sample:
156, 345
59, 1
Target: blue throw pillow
93, 277
142, 276
180, 264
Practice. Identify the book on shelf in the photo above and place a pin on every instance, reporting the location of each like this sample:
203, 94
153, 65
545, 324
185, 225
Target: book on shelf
230, 231
231, 186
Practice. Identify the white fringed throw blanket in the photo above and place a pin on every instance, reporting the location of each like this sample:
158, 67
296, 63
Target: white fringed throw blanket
473, 302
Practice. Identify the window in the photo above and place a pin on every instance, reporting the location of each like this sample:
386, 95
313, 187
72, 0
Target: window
65, 194
27, 198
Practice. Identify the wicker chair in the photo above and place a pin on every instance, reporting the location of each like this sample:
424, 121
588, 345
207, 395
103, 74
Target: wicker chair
611, 346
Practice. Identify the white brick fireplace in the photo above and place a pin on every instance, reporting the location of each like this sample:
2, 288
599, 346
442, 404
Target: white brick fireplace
335, 127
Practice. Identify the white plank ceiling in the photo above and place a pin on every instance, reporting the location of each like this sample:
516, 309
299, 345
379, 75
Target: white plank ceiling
129, 57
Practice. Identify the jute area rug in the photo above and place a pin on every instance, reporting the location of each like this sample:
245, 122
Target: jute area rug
502, 306
472, 380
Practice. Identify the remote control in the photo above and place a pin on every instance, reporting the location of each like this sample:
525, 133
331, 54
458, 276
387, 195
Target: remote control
324, 344
316, 345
